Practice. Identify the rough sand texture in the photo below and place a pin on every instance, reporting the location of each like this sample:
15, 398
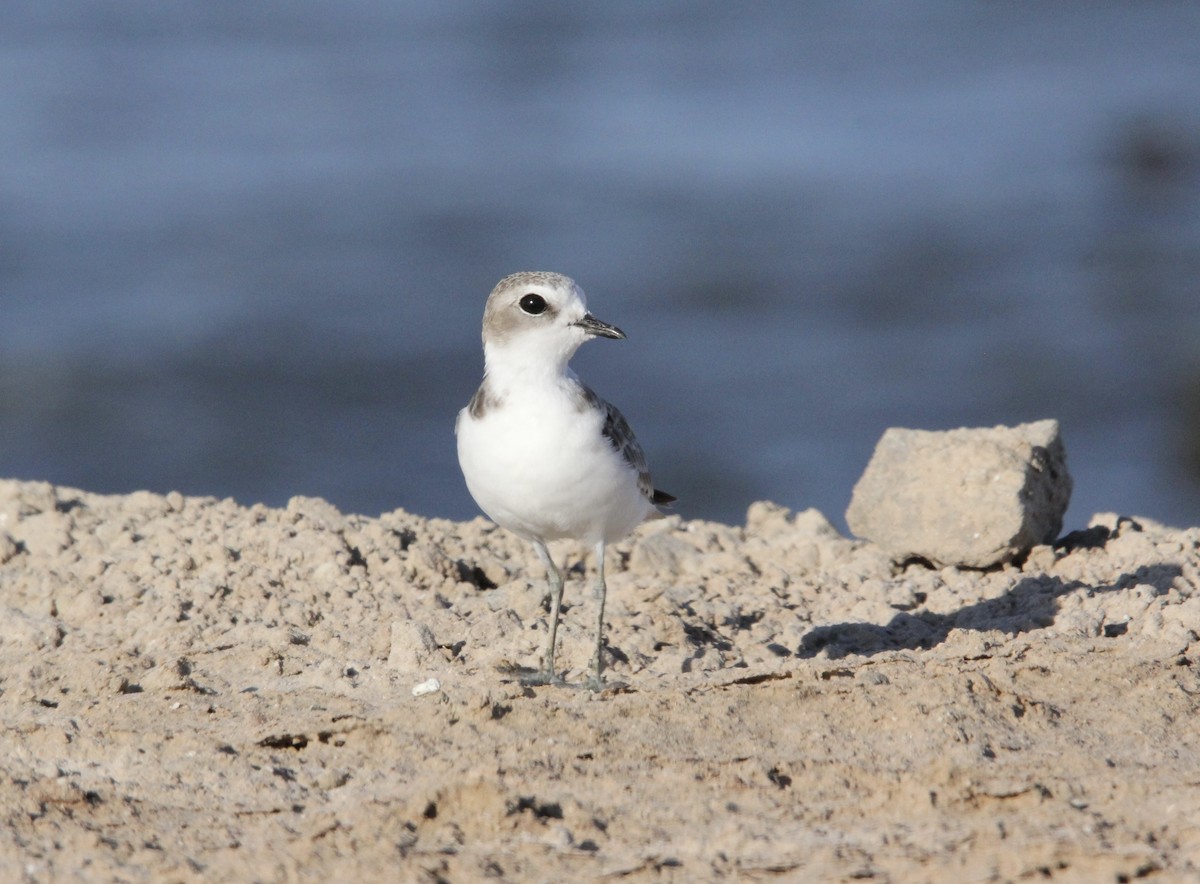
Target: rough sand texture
196, 690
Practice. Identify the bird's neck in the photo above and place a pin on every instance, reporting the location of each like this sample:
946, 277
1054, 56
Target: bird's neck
506, 368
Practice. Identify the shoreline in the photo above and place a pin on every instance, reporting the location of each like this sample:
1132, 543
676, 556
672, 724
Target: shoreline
198, 689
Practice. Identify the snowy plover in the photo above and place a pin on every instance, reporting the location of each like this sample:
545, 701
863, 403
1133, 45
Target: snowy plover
543, 455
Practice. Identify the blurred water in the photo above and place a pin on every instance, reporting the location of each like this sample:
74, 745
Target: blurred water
244, 248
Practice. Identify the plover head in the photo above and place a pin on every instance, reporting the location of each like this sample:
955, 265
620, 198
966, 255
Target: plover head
540, 315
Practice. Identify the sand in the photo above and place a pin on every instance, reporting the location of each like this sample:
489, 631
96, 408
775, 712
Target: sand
196, 690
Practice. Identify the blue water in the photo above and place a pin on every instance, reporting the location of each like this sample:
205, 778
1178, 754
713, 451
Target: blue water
244, 248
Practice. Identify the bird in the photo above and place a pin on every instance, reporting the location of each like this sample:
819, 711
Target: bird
541, 453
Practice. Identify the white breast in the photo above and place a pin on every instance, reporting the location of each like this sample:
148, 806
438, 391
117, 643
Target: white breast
540, 467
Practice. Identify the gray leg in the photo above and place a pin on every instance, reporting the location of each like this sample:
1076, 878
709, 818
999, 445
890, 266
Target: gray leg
596, 682
548, 675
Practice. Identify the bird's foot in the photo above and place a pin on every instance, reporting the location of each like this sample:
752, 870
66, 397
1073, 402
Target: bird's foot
598, 685
542, 677
529, 676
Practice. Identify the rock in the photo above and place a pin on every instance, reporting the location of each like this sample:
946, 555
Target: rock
319, 513
45, 533
8, 547
969, 497
412, 646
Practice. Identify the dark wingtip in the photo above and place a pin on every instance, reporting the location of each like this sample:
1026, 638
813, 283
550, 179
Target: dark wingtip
661, 498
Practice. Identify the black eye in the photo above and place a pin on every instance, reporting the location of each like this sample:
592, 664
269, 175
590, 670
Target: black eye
533, 304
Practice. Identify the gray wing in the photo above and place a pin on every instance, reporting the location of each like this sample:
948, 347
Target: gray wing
617, 430
483, 401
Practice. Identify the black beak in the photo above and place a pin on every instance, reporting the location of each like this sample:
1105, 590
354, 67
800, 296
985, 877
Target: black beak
596, 328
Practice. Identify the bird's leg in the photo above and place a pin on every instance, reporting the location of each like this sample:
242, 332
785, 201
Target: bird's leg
548, 675
596, 682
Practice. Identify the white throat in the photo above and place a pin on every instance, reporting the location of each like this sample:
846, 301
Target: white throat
531, 360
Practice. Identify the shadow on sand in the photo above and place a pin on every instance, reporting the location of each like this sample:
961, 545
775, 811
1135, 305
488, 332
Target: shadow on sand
1031, 604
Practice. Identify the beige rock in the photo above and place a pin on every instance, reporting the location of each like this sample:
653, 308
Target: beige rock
969, 497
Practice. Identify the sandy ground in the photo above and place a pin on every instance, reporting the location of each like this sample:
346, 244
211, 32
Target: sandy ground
195, 690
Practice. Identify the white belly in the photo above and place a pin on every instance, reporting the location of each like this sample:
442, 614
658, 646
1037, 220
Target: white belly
541, 468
